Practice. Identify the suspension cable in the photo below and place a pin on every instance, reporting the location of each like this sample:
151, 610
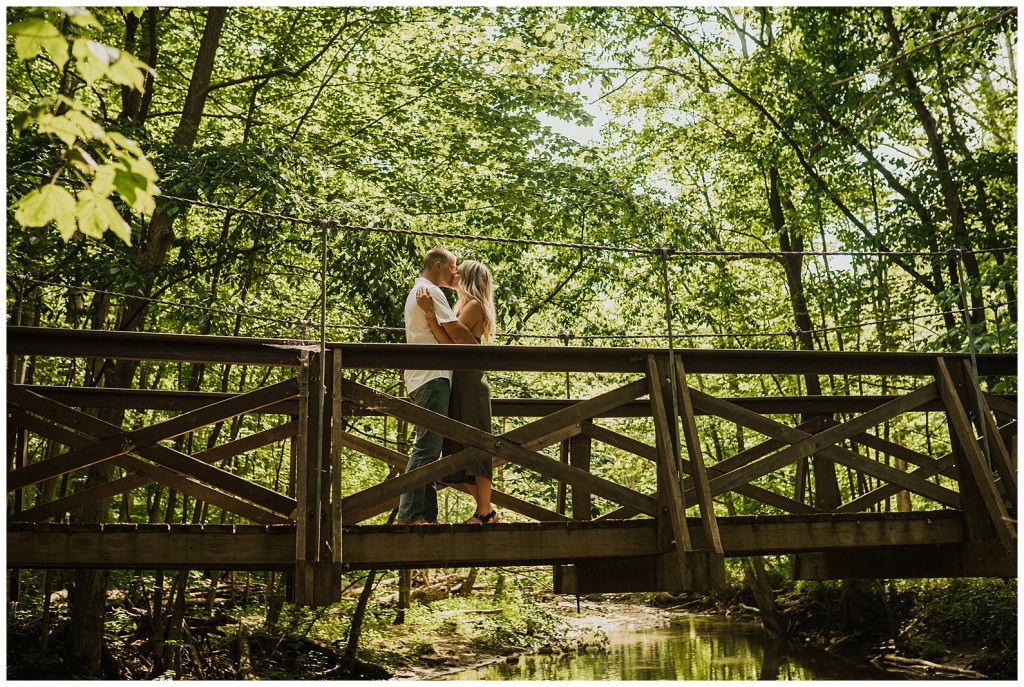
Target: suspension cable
655, 251
303, 322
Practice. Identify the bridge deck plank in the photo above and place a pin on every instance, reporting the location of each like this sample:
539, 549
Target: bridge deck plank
255, 547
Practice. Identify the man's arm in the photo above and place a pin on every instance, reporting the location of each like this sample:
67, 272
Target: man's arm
446, 332
457, 332
437, 329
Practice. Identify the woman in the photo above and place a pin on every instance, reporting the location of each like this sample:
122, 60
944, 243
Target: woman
471, 394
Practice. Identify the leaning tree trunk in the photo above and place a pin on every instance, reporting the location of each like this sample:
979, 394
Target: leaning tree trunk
984, 208
792, 245
857, 595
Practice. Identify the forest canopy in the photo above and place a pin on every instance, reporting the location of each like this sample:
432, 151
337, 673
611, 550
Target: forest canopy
769, 135
827, 178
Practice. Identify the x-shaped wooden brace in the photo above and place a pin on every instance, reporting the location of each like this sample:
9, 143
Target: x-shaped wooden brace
98, 441
398, 461
510, 446
744, 457
823, 444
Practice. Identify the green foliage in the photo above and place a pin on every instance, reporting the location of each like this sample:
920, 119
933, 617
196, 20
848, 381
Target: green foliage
941, 617
103, 160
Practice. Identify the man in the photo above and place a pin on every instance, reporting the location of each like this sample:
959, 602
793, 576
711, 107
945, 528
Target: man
430, 389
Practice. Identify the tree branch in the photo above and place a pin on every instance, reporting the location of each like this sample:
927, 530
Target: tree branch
808, 168
285, 71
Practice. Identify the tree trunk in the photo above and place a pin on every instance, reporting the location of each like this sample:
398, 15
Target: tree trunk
947, 184
198, 86
88, 604
960, 141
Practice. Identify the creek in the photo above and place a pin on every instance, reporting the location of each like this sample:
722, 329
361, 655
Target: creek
692, 647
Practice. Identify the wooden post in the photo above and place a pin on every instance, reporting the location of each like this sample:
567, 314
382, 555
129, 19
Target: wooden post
305, 518
673, 533
314, 571
712, 560
979, 494
579, 457
987, 424
336, 428
558, 571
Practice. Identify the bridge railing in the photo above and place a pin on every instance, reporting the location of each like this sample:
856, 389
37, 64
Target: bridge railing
316, 396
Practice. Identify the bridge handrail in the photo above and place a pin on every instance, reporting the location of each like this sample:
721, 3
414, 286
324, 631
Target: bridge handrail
83, 343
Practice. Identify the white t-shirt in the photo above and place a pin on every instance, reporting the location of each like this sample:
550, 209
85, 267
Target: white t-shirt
417, 330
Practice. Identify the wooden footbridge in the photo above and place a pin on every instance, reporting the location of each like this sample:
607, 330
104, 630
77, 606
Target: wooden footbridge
848, 514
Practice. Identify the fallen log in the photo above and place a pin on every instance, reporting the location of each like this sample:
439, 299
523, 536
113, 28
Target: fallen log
920, 664
244, 654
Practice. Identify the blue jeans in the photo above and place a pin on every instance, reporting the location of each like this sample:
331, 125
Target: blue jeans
421, 502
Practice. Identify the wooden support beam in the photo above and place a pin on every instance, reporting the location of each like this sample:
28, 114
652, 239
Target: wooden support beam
508, 446
673, 532
806, 444
164, 457
147, 547
908, 561
158, 399
973, 466
272, 548
579, 457
317, 578
42, 341
865, 501
336, 521
909, 482
697, 468
889, 448
146, 474
399, 461
1009, 432
121, 442
190, 348
757, 493
1000, 403
997, 449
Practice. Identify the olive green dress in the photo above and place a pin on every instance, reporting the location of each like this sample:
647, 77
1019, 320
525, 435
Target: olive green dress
470, 404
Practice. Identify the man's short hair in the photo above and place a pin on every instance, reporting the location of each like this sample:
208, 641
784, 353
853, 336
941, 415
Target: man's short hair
436, 255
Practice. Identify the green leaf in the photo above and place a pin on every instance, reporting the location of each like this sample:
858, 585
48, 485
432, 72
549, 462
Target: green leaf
82, 160
103, 182
43, 205
93, 59
79, 16
96, 214
122, 141
134, 189
62, 127
127, 72
85, 123
142, 166
33, 35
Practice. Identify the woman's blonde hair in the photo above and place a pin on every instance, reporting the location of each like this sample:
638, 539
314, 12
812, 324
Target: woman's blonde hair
475, 282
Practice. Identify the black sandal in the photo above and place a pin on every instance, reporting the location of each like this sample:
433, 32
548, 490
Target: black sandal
492, 517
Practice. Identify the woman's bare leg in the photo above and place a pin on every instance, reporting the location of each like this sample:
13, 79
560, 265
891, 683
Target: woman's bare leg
482, 495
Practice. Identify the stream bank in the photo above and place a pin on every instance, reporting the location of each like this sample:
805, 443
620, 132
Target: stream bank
601, 615
947, 628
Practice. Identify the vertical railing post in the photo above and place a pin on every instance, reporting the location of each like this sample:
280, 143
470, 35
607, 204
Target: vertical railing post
672, 531
711, 559
985, 511
335, 476
315, 573
579, 457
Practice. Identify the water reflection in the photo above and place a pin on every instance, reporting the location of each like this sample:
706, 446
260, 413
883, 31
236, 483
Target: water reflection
692, 648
